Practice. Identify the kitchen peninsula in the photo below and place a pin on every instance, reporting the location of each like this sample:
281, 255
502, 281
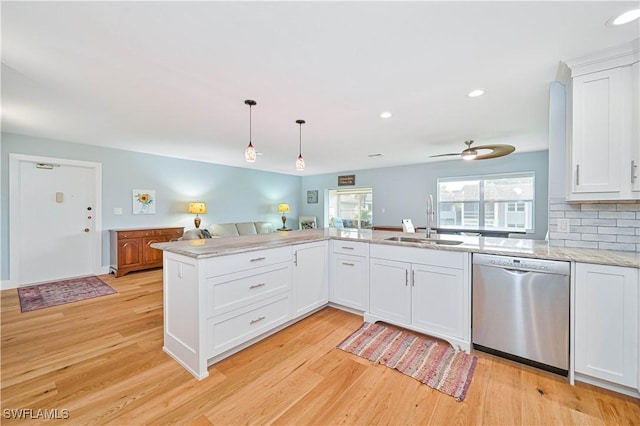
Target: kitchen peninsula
222, 295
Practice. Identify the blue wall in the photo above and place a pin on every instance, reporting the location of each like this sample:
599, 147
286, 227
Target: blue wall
232, 194
401, 192
237, 194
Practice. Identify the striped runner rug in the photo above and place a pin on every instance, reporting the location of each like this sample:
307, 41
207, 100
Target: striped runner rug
435, 364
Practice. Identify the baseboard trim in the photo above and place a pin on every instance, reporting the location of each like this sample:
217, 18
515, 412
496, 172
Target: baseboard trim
7, 285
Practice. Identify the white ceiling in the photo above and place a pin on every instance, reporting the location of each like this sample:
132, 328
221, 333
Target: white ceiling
170, 78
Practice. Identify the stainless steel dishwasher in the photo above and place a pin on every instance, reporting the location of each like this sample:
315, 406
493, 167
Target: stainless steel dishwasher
521, 310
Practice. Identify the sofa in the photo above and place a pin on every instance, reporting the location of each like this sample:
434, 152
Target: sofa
218, 230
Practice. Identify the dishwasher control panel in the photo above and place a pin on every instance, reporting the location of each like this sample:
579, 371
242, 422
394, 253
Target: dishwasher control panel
523, 264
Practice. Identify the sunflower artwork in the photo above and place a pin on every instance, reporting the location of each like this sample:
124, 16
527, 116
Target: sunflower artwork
144, 201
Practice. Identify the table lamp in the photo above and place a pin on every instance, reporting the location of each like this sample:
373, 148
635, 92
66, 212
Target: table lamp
284, 208
197, 208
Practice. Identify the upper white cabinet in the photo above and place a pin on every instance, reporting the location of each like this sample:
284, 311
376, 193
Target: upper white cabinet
310, 277
604, 152
606, 323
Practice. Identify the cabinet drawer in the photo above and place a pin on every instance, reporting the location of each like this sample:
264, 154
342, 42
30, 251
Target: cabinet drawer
227, 331
242, 261
135, 234
234, 291
350, 247
172, 232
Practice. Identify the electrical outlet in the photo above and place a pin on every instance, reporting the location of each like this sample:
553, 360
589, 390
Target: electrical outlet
117, 210
563, 225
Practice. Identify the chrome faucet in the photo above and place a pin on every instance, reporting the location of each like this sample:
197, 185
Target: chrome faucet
431, 215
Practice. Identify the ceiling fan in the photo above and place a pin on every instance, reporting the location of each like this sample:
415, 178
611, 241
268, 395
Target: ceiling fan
494, 151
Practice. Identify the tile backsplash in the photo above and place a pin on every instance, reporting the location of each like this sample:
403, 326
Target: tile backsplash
598, 225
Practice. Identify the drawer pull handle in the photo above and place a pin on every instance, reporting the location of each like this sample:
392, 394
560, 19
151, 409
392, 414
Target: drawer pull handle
348, 264
251, 287
347, 248
257, 259
257, 320
634, 176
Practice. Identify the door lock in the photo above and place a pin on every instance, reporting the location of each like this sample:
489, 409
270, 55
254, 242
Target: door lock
86, 229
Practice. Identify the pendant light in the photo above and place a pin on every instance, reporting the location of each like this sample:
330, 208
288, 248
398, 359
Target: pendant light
250, 152
300, 160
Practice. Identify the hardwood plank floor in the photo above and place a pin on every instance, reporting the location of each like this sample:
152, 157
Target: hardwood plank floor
102, 361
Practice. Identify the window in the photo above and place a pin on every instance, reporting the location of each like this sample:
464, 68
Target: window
351, 208
504, 202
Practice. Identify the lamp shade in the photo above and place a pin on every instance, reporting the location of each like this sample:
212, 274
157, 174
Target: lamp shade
284, 208
197, 208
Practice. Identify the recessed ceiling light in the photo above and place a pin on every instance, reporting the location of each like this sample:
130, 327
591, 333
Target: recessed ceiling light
385, 114
625, 18
475, 93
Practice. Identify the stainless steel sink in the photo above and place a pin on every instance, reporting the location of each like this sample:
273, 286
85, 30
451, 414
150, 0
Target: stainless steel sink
407, 239
424, 240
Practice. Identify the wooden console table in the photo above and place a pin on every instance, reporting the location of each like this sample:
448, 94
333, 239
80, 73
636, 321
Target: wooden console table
131, 248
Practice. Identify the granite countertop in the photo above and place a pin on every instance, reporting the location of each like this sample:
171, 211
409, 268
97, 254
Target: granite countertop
538, 249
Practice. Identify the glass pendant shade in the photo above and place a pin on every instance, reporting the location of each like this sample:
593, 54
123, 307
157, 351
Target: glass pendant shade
300, 163
300, 160
250, 153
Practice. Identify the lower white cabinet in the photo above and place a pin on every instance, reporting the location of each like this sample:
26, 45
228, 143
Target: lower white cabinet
349, 285
422, 289
214, 307
389, 290
310, 277
606, 323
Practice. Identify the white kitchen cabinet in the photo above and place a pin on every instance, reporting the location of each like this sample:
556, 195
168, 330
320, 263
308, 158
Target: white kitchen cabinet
215, 306
310, 277
635, 130
422, 289
389, 291
349, 285
438, 296
604, 151
606, 324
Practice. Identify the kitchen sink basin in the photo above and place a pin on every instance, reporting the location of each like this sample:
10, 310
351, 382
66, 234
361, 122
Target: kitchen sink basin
424, 240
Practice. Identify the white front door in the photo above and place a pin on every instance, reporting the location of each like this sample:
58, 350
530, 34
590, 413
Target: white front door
55, 219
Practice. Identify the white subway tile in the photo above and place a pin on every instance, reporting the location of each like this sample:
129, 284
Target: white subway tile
616, 230
617, 246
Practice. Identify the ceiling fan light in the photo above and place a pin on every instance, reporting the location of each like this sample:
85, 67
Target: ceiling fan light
469, 154
626, 17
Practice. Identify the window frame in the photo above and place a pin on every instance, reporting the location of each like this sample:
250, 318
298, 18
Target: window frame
481, 202
365, 190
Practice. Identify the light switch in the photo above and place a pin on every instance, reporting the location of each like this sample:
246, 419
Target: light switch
117, 210
59, 197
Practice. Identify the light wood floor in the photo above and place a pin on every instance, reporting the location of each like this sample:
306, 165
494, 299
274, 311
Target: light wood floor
102, 361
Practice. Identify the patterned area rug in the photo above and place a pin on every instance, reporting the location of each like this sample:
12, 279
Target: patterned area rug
434, 364
60, 292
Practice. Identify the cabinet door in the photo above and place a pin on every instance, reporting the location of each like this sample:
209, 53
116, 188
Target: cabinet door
129, 252
438, 300
597, 122
635, 130
606, 328
389, 292
149, 254
310, 277
350, 282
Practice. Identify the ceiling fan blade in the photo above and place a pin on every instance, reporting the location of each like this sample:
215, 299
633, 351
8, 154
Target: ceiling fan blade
443, 155
496, 151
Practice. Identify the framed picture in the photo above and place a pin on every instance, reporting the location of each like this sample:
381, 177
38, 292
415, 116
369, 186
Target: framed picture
312, 197
144, 201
